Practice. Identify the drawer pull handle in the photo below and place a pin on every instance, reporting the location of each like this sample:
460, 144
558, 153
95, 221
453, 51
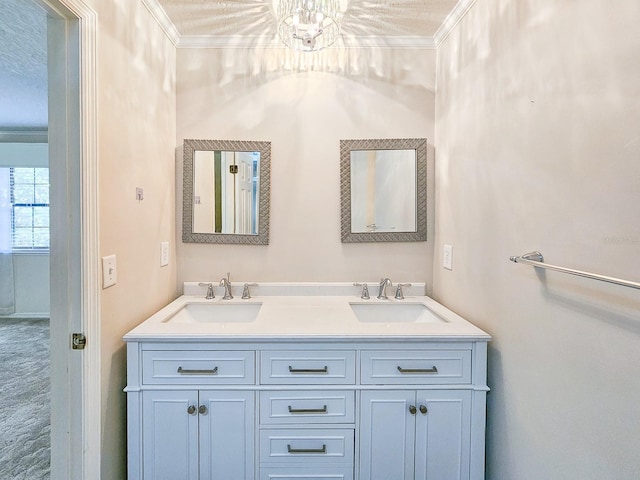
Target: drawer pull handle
418, 370
307, 450
184, 371
308, 410
325, 369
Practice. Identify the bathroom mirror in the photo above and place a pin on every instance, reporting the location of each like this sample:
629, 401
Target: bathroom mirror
226, 192
383, 186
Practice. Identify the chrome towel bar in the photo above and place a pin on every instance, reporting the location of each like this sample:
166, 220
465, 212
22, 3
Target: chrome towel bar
537, 260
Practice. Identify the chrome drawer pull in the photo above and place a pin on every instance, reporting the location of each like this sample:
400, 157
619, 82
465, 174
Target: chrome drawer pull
308, 370
183, 371
308, 410
418, 370
307, 450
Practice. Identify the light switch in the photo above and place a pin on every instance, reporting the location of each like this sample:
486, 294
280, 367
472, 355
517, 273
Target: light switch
447, 257
109, 271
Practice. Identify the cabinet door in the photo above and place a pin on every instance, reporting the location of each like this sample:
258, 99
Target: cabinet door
387, 434
170, 435
443, 435
227, 430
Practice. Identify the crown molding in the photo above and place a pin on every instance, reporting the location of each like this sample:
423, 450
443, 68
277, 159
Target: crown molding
385, 41
161, 17
228, 41
263, 41
347, 41
457, 14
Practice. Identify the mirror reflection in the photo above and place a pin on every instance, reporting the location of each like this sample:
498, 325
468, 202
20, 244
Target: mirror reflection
383, 188
226, 191
383, 191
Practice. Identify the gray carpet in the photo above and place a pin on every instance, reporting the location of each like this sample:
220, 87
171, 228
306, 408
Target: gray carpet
25, 399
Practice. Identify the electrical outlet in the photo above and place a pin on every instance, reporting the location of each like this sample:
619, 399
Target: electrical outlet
139, 194
447, 257
109, 271
164, 254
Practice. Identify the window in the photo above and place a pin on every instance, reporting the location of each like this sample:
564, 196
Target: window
28, 190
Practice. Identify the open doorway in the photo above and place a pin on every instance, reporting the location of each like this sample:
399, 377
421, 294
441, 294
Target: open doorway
70, 138
24, 244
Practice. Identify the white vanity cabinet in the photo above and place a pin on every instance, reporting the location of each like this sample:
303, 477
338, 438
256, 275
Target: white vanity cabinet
301, 387
321, 409
197, 435
408, 434
185, 420
307, 412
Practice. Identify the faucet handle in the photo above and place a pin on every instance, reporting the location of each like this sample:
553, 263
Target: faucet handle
399, 294
365, 290
245, 291
210, 292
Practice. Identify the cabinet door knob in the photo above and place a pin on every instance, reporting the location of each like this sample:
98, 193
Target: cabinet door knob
423, 409
202, 410
412, 409
191, 410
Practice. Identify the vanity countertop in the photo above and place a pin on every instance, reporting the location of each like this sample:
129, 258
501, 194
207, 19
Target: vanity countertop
303, 318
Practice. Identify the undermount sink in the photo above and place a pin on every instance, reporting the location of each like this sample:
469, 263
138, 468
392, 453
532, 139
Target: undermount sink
216, 313
394, 313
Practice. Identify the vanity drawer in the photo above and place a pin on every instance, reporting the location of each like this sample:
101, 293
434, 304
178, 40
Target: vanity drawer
312, 446
188, 367
326, 406
308, 367
415, 366
307, 473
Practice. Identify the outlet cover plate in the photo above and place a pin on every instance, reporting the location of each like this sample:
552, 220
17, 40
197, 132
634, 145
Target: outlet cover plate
447, 257
164, 254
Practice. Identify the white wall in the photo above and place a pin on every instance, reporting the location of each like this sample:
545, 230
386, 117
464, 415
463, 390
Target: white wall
136, 128
31, 284
537, 145
304, 104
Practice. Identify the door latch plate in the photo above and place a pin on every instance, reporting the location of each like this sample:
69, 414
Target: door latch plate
78, 341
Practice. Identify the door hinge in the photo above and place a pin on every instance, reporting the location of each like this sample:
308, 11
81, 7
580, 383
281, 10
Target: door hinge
233, 169
78, 341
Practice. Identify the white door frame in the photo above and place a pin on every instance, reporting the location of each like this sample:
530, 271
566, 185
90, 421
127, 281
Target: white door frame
76, 413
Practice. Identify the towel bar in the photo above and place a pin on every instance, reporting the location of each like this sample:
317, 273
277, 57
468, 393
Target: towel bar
537, 260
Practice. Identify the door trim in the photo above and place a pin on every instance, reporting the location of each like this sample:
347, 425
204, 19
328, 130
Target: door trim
77, 423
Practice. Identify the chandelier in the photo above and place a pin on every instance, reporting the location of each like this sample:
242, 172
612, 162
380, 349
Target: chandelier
308, 25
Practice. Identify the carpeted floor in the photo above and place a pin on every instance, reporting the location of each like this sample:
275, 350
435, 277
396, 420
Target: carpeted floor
24, 399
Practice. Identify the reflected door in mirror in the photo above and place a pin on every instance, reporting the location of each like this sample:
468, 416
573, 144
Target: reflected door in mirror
226, 189
383, 191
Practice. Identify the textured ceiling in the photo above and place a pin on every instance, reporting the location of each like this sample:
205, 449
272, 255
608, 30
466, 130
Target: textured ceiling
420, 18
23, 38
23, 65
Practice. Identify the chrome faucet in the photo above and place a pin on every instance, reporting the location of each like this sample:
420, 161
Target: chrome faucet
382, 293
226, 283
210, 294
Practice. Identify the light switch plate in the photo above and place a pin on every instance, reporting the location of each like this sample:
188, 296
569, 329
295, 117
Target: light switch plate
164, 254
447, 257
109, 271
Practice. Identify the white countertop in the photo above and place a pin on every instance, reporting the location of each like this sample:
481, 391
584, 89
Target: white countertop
304, 317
